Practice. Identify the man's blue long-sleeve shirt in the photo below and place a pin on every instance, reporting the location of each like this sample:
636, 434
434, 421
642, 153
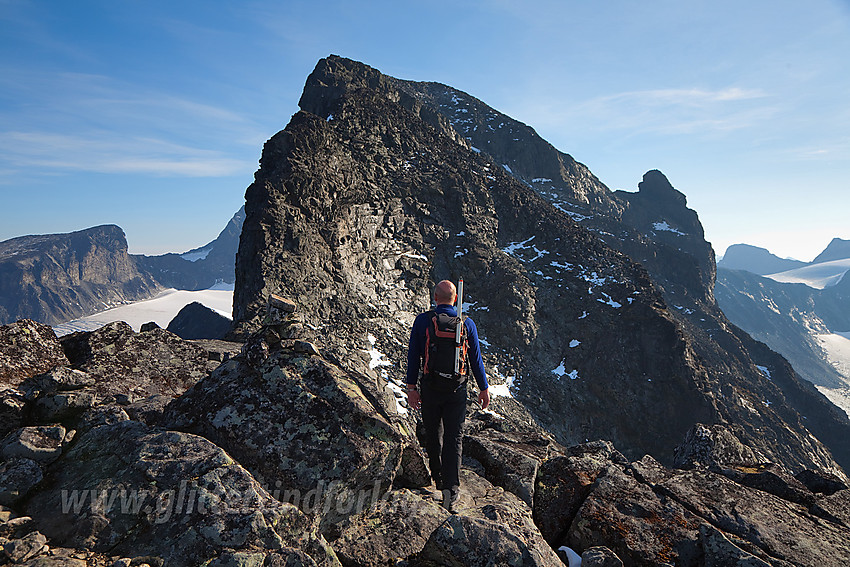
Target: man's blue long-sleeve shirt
416, 348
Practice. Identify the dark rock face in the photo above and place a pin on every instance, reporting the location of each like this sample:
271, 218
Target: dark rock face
197, 321
370, 195
27, 348
202, 267
57, 277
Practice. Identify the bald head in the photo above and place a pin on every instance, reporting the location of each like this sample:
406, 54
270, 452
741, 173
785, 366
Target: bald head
445, 293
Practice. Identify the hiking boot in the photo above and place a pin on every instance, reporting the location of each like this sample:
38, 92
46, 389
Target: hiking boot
450, 499
432, 492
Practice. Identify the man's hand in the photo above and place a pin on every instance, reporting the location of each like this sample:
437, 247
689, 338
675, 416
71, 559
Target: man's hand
414, 400
484, 398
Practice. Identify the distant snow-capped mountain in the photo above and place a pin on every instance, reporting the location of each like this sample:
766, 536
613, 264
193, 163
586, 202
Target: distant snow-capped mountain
802, 312
199, 268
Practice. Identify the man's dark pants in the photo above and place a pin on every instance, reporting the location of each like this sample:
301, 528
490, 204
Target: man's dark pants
443, 414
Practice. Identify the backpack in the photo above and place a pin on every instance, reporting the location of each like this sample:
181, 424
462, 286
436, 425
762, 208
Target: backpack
440, 345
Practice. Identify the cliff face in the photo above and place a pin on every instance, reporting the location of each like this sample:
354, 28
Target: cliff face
370, 196
57, 277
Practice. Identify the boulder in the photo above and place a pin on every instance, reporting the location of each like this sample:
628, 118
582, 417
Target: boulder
26, 548
491, 527
12, 403
42, 443
627, 516
821, 482
766, 525
600, 556
564, 481
17, 477
299, 424
64, 406
397, 525
197, 321
506, 463
143, 364
774, 479
58, 379
27, 349
720, 551
835, 507
715, 447
122, 489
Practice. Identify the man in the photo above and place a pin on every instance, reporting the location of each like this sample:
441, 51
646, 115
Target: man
442, 401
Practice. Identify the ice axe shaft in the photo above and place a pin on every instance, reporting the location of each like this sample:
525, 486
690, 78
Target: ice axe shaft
459, 332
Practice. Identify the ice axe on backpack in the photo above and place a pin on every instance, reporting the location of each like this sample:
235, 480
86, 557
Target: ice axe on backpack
459, 332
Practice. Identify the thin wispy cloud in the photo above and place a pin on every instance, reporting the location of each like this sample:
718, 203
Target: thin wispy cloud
683, 97
105, 153
659, 111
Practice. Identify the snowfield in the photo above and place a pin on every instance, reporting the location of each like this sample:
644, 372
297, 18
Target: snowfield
161, 309
818, 276
837, 347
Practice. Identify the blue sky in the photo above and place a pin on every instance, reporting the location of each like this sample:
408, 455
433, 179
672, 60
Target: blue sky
151, 115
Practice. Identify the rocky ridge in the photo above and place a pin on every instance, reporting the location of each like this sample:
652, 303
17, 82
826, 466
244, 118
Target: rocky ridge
311, 464
370, 195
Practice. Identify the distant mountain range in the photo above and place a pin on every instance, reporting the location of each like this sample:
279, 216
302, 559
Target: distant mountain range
789, 304
55, 278
200, 268
755, 260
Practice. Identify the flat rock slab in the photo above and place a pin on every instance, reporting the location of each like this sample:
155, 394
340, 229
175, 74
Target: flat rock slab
41, 443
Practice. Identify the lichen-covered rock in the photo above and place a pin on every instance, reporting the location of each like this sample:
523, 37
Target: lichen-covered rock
27, 349
641, 527
720, 551
59, 379
775, 480
600, 556
491, 527
715, 447
507, 463
64, 406
835, 507
821, 482
122, 488
12, 403
564, 481
299, 424
397, 526
42, 443
782, 529
17, 477
144, 364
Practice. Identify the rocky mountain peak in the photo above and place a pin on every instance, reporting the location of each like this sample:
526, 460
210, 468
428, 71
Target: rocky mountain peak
357, 211
838, 249
656, 186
